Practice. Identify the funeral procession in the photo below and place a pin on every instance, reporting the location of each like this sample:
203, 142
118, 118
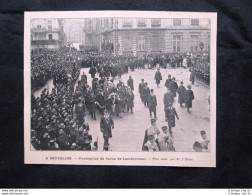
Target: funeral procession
120, 84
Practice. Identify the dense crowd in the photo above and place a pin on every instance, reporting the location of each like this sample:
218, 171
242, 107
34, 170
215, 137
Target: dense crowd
58, 118
57, 64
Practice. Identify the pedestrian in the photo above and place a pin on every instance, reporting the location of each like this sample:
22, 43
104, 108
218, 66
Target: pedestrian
151, 144
152, 130
140, 89
173, 86
106, 126
181, 93
165, 142
152, 103
204, 142
92, 71
146, 93
168, 98
170, 114
158, 77
130, 101
189, 96
167, 82
130, 83
192, 75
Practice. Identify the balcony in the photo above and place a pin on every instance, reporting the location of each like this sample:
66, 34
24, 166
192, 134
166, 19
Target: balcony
38, 30
44, 42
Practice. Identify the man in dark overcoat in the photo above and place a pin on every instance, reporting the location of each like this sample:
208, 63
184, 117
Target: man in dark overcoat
181, 94
130, 83
170, 114
92, 71
168, 98
158, 77
140, 89
167, 82
192, 75
106, 124
189, 96
173, 86
152, 103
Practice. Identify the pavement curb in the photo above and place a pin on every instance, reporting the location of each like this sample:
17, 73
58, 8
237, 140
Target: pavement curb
202, 83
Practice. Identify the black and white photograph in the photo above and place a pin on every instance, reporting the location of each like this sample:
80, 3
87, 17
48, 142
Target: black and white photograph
120, 88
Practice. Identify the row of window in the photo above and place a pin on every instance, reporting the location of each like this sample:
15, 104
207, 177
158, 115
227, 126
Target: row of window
156, 43
157, 22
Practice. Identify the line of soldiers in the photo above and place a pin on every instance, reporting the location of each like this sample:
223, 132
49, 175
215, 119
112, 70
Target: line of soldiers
47, 64
57, 121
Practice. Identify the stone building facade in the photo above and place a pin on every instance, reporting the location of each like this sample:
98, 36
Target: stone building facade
47, 33
145, 35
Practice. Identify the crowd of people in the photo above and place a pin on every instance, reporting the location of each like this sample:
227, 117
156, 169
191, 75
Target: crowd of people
152, 141
58, 118
53, 64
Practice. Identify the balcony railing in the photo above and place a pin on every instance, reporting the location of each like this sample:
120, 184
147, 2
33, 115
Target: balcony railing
38, 30
44, 42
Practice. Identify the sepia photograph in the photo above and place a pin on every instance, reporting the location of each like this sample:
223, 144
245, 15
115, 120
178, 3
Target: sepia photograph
120, 88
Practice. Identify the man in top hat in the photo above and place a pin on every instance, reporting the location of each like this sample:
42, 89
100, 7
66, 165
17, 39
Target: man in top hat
173, 86
189, 96
165, 142
170, 114
130, 100
152, 103
106, 124
158, 77
140, 89
181, 93
145, 94
152, 130
130, 83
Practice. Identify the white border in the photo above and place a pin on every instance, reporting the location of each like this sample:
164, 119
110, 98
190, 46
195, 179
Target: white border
199, 159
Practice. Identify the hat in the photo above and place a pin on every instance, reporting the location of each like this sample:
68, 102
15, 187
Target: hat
202, 132
153, 120
80, 129
164, 128
189, 86
181, 82
150, 137
62, 126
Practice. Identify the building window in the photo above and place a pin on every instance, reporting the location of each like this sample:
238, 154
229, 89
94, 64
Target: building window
156, 43
50, 36
155, 22
176, 43
195, 22
127, 23
194, 43
38, 26
141, 42
176, 22
127, 43
141, 22
49, 25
